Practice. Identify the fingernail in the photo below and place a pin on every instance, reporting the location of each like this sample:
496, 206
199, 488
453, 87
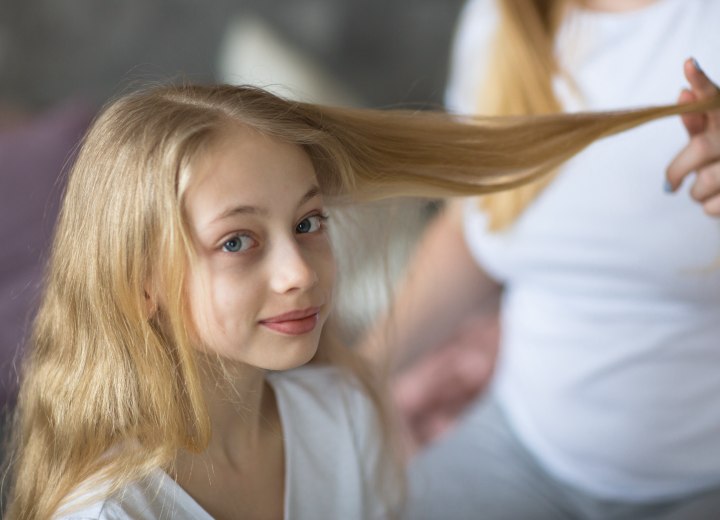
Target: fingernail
668, 187
696, 65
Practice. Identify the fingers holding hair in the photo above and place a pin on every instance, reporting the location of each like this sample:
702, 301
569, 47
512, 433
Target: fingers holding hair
702, 153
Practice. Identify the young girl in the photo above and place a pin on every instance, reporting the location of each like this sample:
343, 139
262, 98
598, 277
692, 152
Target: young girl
191, 282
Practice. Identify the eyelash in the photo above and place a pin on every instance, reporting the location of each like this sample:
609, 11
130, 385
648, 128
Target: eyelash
323, 218
235, 238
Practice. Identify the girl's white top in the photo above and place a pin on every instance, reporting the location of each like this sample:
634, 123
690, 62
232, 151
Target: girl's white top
610, 357
331, 439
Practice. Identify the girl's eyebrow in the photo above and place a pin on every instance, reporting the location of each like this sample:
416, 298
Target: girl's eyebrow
313, 192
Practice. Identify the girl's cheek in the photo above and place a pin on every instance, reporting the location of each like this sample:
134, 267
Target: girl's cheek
328, 265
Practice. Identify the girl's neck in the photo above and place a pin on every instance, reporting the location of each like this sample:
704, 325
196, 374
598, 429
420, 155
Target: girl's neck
241, 473
242, 409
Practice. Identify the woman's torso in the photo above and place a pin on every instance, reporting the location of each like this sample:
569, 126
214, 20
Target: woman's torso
610, 328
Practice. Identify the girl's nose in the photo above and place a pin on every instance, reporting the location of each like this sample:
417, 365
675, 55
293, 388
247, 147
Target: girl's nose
291, 270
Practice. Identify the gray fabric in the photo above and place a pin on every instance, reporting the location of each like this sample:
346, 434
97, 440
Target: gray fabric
480, 470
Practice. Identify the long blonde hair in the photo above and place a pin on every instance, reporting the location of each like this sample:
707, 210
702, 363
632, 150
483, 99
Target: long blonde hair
523, 64
108, 392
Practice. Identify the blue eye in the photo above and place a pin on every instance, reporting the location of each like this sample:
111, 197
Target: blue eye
237, 243
310, 224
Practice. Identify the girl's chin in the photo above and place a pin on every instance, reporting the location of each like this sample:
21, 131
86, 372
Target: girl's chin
269, 351
285, 358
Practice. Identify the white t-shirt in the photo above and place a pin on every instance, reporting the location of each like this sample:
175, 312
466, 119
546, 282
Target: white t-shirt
610, 358
331, 448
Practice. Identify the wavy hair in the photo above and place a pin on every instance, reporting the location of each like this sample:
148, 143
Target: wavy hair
109, 393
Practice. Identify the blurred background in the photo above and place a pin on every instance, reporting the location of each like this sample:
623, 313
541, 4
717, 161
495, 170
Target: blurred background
374, 52
60, 60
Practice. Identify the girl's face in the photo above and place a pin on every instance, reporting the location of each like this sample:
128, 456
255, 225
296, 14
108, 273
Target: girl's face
261, 288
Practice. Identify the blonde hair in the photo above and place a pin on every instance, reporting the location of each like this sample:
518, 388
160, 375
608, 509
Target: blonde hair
110, 393
519, 82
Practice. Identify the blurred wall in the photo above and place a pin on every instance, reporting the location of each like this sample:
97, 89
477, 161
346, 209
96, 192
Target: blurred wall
382, 51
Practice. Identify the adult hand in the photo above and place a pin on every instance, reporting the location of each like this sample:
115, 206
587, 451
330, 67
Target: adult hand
702, 154
431, 394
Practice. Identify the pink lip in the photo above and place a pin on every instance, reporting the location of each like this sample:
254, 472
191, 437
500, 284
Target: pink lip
294, 322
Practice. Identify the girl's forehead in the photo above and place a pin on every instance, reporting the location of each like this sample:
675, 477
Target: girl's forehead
237, 140
248, 152
230, 136
248, 169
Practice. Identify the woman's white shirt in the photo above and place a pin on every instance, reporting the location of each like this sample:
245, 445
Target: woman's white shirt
609, 359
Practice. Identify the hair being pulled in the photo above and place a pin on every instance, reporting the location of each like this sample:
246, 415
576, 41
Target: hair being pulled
110, 388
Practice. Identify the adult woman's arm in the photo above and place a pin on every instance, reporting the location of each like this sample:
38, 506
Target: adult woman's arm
442, 288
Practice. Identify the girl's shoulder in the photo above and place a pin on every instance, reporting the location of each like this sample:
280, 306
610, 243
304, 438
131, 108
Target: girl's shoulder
315, 375
155, 497
320, 389
332, 434
325, 402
